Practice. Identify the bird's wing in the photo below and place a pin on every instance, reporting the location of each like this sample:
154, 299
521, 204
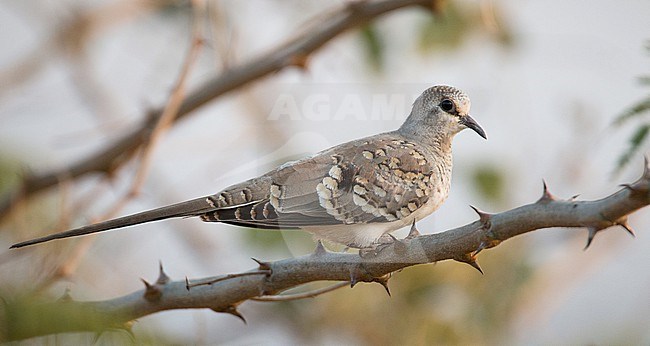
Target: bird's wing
372, 180
378, 180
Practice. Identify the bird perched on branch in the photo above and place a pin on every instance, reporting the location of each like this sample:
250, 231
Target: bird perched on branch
353, 194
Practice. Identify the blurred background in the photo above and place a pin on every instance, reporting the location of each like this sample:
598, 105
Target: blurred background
561, 90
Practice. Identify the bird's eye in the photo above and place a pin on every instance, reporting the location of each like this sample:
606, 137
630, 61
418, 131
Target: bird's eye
447, 106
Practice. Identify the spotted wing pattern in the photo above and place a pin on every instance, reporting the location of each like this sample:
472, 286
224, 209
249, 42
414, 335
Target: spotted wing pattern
380, 180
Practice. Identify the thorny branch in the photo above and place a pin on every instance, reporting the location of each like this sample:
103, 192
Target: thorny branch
225, 293
294, 52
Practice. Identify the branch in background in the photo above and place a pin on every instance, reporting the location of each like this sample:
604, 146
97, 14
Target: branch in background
170, 112
164, 122
292, 53
296, 296
24, 319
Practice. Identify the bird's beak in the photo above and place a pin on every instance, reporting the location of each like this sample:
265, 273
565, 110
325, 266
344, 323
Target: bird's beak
472, 124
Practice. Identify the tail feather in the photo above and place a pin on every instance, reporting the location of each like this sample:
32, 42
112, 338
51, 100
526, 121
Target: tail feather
193, 207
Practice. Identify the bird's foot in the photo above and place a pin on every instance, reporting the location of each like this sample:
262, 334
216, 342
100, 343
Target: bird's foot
378, 246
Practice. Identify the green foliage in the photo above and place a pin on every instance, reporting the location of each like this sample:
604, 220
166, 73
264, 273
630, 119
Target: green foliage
635, 112
638, 138
446, 28
26, 316
374, 46
8, 174
489, 181
35, 316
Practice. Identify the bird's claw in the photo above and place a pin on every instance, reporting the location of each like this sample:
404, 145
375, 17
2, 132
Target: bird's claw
378, 246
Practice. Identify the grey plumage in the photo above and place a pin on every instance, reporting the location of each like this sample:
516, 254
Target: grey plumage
351, 194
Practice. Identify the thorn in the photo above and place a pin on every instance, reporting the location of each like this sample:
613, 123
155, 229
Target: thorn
320, 249
475, 265
151, 292
574, 197
264, 292
482, 246
128, 328
483, 216
642, 181
162, 277
384, 282
146, 283
623, 223
546, 195
413, 233
187, 283
470, 259
233, 311
637, 191
266, 266
300, 61
66, 297
630, 187
359, 273
590, 237
399, 246
627, 186
353, 277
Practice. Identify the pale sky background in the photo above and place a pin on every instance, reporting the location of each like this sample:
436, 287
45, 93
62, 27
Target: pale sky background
546, 103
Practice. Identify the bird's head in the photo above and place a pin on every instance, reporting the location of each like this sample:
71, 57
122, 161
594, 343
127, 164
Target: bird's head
440, 112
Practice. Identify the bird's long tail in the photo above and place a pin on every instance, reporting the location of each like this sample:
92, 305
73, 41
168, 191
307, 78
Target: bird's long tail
193, 207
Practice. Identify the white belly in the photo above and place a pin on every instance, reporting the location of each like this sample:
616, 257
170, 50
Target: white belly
367, 234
